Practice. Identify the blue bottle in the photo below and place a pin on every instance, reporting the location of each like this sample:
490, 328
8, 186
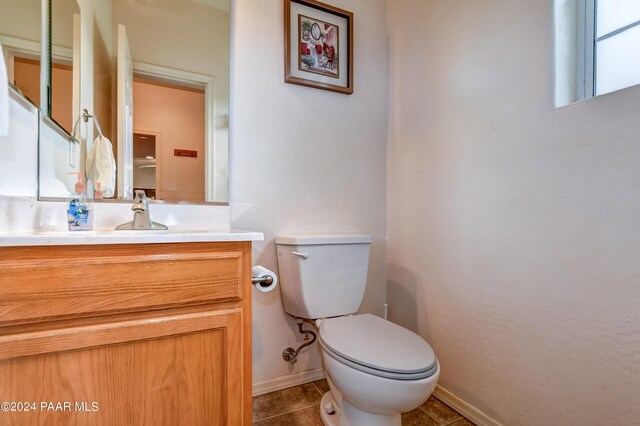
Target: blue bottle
79, 207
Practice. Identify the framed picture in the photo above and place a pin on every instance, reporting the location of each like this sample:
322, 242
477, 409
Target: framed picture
318, 46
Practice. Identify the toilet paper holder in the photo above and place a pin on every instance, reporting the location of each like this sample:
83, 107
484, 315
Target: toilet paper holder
267, 279
263, 279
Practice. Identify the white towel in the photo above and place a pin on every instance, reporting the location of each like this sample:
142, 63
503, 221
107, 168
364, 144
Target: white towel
4, 96
101, 165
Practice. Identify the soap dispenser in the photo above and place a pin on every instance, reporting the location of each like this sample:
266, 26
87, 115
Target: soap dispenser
79, 207
98, 193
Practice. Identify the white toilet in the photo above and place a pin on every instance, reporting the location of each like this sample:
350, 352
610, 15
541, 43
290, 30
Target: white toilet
375, 369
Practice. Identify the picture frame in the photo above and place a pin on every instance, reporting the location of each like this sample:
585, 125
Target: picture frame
318, 47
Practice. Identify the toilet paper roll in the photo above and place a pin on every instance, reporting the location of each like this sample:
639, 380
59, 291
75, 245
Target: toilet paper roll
262, 272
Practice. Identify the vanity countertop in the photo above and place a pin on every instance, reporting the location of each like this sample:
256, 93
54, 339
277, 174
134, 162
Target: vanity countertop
176, 235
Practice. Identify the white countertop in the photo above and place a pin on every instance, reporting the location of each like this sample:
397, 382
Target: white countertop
176, 235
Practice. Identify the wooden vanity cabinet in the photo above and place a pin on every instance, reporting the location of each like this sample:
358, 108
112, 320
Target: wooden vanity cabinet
140, 334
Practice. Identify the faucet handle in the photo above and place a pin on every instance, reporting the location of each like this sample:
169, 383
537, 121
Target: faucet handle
141, 196
140, 202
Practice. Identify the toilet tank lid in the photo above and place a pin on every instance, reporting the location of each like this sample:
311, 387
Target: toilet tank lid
313, 239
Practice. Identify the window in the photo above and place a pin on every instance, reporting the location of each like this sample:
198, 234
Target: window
597, 47
616, 45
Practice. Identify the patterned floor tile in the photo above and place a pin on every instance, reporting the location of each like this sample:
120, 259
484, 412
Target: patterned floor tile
285, 401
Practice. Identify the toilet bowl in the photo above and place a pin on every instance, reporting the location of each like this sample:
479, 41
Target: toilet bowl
376, 370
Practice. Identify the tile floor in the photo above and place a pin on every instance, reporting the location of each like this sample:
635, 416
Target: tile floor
299, 406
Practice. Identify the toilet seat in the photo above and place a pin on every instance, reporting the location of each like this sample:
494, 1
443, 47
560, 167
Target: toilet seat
375, 346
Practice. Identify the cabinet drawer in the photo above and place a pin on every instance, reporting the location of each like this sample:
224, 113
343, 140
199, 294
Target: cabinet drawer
43, 283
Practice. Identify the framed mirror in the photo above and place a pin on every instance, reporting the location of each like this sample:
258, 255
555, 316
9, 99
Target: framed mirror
153, 81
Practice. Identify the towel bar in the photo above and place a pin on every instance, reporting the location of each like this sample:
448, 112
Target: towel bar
85, 117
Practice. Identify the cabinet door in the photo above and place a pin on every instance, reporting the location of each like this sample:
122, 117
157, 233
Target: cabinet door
174, 370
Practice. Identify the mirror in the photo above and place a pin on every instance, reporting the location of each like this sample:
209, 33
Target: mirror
20, 34
154, 74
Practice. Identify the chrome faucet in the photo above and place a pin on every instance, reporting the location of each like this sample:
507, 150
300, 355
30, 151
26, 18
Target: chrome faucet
141, 218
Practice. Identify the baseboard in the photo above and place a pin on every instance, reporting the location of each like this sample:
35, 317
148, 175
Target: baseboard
467, 410
287, 381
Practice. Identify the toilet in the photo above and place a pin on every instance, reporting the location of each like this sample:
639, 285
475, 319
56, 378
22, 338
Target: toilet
376, 369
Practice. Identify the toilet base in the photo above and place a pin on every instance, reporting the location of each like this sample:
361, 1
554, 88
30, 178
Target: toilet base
348, 415
329, 419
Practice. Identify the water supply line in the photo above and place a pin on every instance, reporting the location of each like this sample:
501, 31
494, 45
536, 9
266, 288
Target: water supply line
291, 355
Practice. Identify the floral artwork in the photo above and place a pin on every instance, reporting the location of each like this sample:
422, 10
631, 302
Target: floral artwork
318, 52
318, 46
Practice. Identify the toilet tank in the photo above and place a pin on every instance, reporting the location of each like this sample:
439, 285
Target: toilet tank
322, 275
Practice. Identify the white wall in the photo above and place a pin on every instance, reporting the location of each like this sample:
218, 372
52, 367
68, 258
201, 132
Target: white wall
58, 157
305, 160
19, 150
513, 226
94, 32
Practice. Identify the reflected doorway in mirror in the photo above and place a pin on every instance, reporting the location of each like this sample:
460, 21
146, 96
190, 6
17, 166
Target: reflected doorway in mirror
172, 115
144, 164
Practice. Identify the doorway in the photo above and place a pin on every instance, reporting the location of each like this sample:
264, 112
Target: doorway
144, 164
171, 116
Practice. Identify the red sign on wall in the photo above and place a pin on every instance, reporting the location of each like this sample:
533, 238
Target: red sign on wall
185, 153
